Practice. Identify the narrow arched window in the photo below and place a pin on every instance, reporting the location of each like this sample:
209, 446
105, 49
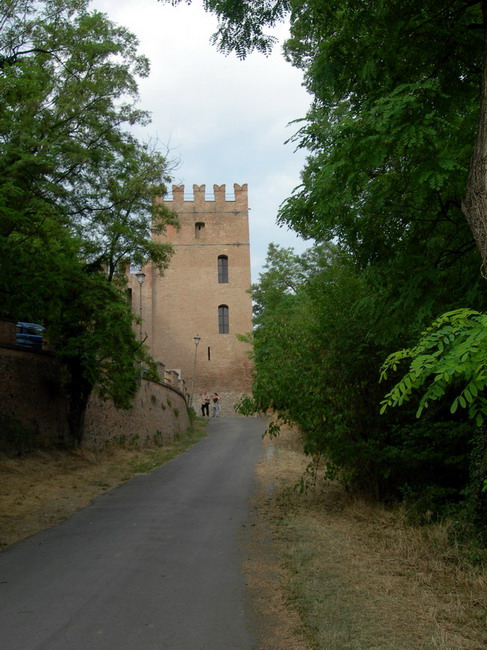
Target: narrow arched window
222, 269
223, 323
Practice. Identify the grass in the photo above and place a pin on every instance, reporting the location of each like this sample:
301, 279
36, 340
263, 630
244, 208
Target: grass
360, 576
40, 489
149, 458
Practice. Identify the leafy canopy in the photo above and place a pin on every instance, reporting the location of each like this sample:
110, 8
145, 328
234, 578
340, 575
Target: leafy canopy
78, 192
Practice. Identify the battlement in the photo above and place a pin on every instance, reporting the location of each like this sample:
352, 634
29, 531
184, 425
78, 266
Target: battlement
199, 195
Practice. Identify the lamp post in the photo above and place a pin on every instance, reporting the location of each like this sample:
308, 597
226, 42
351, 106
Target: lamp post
196, 340
140, 279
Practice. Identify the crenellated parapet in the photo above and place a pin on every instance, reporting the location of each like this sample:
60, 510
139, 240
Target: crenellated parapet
204, 290
201, 198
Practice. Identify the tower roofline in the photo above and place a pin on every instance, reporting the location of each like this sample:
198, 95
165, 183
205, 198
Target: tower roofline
199, 195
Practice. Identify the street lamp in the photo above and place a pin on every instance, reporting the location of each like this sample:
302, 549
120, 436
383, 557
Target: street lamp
140, 279
196, 340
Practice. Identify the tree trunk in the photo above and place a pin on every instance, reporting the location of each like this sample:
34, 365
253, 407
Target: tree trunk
474, 207
474, 204
79, 393
479, 490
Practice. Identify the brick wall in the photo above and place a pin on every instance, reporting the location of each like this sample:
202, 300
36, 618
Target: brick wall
158, 414
31, 395
33, 403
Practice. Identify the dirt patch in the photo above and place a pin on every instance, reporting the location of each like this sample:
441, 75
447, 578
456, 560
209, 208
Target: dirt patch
278, 624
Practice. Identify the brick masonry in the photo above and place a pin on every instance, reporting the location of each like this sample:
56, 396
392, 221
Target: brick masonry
32, 394
184, 301
33, 398
158, 415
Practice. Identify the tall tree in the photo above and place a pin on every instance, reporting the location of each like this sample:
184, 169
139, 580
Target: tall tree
321, 332
66, 80
117, 211
396, 88
398, 94
77, 190
475, 200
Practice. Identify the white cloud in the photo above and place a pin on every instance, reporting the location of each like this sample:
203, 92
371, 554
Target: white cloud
226, 120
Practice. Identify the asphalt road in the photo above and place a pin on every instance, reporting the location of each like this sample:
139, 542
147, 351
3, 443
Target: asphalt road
155, 563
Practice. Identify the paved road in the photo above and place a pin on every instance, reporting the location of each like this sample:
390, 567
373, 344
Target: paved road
153, 564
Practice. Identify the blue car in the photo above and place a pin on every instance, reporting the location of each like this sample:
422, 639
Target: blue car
29, 335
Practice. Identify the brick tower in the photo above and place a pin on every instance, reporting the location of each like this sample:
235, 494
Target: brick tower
204, 293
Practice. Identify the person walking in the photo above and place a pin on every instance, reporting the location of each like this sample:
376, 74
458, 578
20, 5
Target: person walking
216, 405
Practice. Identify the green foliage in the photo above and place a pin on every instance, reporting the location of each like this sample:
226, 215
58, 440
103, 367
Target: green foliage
94, 320
77, 190
116, 218
241, 26
390, 129
322, 331
61, 114
150, 368
449, 363
312, 358
394, 112
450, 353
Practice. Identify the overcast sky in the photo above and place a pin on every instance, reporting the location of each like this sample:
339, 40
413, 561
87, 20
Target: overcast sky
225, 120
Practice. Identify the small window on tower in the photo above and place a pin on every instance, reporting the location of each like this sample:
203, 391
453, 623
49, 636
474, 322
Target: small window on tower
199, 226
223, 322
222, 269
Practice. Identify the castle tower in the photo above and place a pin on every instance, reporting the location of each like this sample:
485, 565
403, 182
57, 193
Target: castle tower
205, 293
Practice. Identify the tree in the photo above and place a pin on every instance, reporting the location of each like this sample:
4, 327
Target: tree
398, 94
448, 363
396, 108
283, 275
242, 23
77, 190
94, 337
321, 332
64, 75
475, 200
118, 213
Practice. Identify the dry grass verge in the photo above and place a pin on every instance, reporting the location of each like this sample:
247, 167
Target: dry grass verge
41, 489
358, 576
